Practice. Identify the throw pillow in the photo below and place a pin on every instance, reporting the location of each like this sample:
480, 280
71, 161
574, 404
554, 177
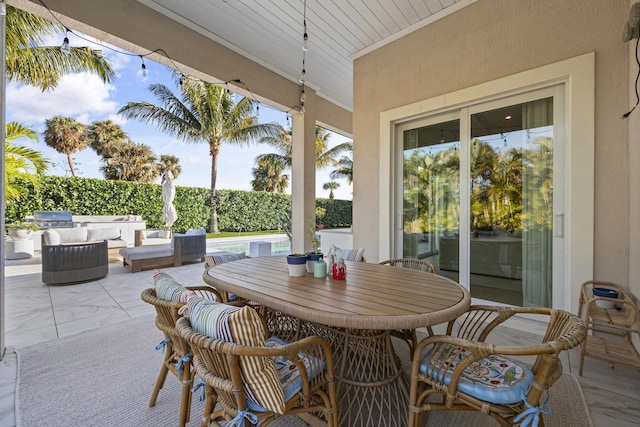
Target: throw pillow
52, 237
242, 326
191, 232
167, 288
221, 257
346, 254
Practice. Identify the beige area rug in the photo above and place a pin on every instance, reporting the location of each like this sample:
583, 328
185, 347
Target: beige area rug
104, 378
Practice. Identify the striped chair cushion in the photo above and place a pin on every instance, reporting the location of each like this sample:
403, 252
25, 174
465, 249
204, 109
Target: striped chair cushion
167, 288
245, 327
346, 254
221, 257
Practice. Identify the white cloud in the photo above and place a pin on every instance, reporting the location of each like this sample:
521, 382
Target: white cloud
76, 94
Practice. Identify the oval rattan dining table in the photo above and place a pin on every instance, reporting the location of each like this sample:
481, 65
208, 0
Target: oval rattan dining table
356, 316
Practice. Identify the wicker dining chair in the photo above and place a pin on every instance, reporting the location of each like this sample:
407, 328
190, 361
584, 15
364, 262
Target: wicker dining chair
409, 336
467, 372
177, 354
220, 365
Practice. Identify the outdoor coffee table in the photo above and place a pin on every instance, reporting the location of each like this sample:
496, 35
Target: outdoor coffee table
356, 316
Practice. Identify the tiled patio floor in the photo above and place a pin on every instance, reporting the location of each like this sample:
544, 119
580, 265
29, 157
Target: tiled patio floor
36, 312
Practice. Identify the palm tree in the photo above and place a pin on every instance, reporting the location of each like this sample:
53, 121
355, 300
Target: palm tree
129, 161
344, 167
205, 113
331, 185
66, 135
30, 63
102, 133
169, 163
284, 146
268, 176
21, 163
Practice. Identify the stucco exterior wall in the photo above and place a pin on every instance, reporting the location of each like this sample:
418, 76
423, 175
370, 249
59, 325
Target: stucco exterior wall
491, 39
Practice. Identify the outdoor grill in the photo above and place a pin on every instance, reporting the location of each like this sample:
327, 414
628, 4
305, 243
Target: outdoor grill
45, 219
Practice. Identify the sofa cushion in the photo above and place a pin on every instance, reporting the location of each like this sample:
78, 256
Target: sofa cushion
52, 237
245, 327
146, 252
72, 234
163, 234
156, 234
97, 234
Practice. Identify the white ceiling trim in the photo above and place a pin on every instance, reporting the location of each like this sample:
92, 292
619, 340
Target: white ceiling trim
414, 27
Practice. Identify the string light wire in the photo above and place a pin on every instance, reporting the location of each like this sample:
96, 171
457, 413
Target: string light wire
183, 76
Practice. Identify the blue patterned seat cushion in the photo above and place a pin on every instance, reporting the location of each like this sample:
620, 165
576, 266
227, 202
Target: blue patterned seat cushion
495, 378
288, 372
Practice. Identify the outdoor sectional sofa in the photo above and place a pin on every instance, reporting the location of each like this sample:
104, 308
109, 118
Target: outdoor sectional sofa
77, 254
183, 247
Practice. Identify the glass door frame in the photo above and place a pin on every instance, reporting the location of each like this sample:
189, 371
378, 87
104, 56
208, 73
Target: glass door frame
463, 115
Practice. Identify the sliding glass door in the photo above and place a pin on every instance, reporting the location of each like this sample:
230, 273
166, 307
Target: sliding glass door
477, 197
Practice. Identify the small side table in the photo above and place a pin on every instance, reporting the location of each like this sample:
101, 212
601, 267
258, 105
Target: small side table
18, 249
260, 248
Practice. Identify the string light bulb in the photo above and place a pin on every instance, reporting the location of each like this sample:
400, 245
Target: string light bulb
143, 69
305, 36
305, 43
303, 96
3, 8
66, 48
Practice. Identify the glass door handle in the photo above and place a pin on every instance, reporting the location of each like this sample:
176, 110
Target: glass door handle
558, 225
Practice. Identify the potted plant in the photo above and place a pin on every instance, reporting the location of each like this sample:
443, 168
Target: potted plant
296, 263
21, 230
316, 255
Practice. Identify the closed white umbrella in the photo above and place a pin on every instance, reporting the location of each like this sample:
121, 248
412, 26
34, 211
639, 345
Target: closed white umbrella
168, 193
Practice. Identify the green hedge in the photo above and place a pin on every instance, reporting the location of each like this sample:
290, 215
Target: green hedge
237, 210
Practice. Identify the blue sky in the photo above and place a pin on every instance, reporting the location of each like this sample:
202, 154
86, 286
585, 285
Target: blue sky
86, 98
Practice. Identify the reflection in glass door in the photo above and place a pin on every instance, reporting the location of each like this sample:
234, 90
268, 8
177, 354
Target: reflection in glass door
512, 204
506, 251
431, 194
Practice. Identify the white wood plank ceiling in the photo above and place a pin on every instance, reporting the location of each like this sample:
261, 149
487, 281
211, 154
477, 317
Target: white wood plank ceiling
270, 32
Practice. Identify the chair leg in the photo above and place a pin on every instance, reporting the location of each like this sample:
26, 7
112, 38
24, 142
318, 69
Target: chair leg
162, 376
210, 405
185, 404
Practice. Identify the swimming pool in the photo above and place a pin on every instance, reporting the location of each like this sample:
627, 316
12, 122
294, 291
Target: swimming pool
279, 244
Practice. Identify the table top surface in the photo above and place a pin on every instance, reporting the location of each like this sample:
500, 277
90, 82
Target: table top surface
372, 296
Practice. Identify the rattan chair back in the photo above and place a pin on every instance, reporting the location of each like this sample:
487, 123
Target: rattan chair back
416, 264
177, 353
471, 332
217, 363
409, 336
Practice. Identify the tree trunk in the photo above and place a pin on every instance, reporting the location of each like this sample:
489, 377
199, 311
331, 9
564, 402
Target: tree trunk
213, 224
70, 160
